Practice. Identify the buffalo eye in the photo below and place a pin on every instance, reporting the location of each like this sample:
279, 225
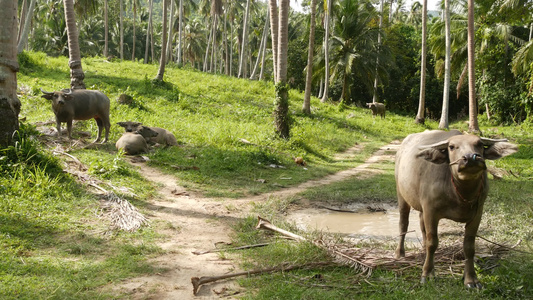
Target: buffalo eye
451, 147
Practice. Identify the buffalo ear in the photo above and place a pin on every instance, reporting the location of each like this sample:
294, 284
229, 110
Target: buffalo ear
436, 153
498, 150
123, 124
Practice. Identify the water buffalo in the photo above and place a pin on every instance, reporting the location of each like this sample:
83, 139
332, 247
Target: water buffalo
163, 137
132, 143
377, 109
71, 105
443, 175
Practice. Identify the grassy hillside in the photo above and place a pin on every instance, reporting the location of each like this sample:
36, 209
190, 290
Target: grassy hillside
51, 230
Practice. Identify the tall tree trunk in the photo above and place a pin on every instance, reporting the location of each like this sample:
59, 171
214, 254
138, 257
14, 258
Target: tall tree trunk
262, 45
106, 29
180, 34
472, 101
148, 30
306, 108
273, 6
443, 124
208, 48
162, 62
23, 39
326, 52
134, 36
76, 71
9, 103
375, 97
121, 20
242, 57
263, 55
213, 67
321, 88
231, 49
281, 111
420, 119
170, 32
226, 52
22, 19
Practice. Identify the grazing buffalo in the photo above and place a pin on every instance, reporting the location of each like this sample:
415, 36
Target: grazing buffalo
377, 109
163, 136
132, 143
71, 105
443, 175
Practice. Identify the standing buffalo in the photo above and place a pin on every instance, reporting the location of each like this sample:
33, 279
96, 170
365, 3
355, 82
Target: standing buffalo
443, 175
377, 109
71, 105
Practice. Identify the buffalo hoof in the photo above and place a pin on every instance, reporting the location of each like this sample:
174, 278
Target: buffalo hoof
477, 285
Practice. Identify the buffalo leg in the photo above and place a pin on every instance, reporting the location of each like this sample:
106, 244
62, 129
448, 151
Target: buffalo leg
404, 224
100, 127
69, 129
58, 127
469, 247
431, 243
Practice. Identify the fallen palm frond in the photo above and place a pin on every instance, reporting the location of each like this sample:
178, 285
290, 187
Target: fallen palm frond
122, 214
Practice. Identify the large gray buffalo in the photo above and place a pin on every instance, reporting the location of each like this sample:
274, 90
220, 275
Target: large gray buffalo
443, 175
71, 105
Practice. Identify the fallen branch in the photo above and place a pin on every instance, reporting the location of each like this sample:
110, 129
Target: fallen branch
197, 282
341, 257
229, 249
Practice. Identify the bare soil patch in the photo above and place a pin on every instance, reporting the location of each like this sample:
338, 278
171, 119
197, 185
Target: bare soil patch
198, 223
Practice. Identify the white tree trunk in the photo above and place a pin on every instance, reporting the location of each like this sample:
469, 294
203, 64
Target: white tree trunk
26, 30
443, 124
421, 103
326, 52
242, 57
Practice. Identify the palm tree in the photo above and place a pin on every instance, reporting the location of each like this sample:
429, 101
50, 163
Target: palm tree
149, 30
422, 101
354, 45
121, 18
76, 71
134, 4
472, 101
9, 103
26, 28
281, 110
162, 62
274, 35
309, 75
326, 50
244, 46
443, 124
106, 28
375, 97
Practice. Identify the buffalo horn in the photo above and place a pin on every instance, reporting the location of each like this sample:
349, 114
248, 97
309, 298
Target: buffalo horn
45, 92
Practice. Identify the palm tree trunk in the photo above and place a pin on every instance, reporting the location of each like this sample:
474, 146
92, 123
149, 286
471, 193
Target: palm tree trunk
208, 48
226, 52
375, 97
306, 108
76, 71
134, 36
121, 20
106, 29
180, 34
281, 111
23, 39
162, 62
231, 50
321, 88
446, 93
22, 19
243, 58
262, 45
170, 32
420, 119
263, 55
472, 101
274, 35
326, 52
9, 103
148, 31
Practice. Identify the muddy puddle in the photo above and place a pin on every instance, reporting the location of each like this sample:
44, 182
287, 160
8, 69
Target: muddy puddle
364, 223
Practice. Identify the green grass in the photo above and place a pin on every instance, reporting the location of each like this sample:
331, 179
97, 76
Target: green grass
52, 244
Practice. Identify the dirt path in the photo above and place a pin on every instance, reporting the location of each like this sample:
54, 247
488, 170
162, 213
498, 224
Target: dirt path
195, 223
